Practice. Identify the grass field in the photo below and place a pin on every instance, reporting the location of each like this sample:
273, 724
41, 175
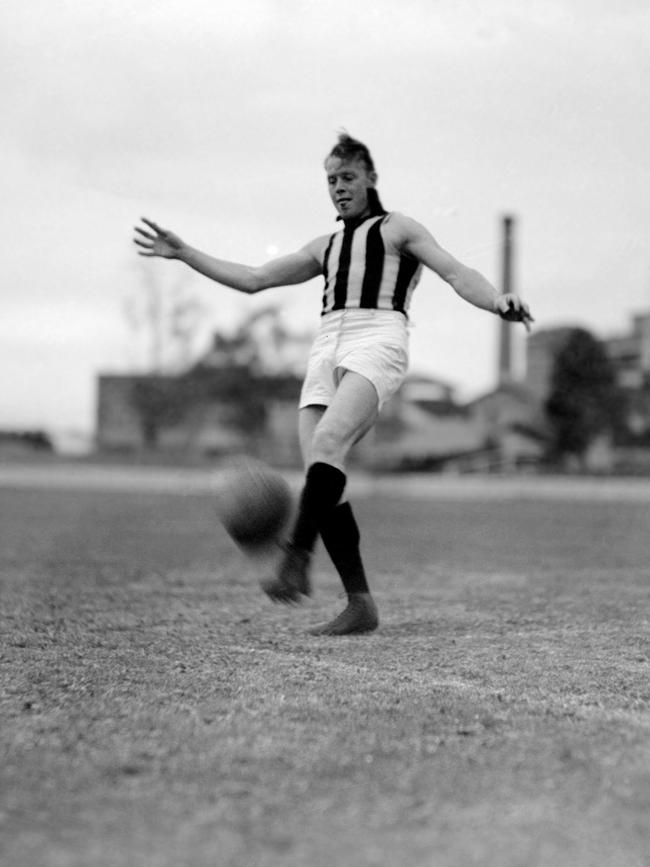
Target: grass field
155, 709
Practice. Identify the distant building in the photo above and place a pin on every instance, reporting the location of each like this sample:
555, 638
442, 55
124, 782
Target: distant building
510, 423
206, 428
240, 395
630, 354
24, 443
421, 427
122, 425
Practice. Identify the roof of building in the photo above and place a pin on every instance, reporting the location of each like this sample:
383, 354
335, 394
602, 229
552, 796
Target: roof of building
518, 391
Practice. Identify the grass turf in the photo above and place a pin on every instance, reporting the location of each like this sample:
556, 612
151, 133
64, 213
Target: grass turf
157, 710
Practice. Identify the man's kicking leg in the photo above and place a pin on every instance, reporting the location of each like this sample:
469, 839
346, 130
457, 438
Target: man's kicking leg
323, 488
327, 434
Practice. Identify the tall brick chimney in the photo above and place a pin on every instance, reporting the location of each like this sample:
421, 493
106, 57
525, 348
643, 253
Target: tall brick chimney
506, 370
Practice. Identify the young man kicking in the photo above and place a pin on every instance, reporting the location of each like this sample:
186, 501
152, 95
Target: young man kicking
359, 358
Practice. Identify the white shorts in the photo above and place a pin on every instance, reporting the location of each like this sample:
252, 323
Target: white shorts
373, 343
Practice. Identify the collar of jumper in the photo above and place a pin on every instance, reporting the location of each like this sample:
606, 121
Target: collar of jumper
375, 209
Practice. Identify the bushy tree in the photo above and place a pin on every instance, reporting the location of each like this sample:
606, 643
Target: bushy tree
584, 400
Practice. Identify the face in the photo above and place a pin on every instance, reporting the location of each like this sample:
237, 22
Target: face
348, 182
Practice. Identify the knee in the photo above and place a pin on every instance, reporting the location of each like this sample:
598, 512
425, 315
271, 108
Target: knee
328, 445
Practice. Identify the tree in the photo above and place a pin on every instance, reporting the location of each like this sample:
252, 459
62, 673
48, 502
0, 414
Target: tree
249, 367
161, 402
584, 400
164, 320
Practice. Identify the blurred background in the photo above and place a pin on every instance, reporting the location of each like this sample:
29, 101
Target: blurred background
517, 133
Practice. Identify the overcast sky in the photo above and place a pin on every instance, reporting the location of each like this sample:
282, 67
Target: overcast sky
213, 118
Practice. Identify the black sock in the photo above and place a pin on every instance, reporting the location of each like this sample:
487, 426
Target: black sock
323, 488
340, 535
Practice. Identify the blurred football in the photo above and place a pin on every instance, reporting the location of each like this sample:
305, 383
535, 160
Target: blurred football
254, 503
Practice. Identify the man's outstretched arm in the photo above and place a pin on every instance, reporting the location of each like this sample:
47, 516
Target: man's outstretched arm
470, 284
295, 268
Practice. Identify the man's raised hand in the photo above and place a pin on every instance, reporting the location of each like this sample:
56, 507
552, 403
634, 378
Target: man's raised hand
155, 241
511, 308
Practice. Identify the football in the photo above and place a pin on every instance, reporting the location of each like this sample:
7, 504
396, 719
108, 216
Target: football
254, 503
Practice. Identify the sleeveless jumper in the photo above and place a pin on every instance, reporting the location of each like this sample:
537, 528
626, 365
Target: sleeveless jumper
361, 273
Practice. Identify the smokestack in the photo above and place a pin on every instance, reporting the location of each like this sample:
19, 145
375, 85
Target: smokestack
506, 372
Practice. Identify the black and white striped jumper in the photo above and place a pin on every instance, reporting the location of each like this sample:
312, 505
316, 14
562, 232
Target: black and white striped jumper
360, 273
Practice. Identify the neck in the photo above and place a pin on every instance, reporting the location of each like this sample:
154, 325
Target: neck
358, 219
373, 209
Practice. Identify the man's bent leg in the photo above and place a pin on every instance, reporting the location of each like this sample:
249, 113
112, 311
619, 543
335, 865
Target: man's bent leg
350, 415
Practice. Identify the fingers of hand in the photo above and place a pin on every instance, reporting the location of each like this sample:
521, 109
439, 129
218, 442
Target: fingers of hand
153, 226
146, 245
146, 240
515, 310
